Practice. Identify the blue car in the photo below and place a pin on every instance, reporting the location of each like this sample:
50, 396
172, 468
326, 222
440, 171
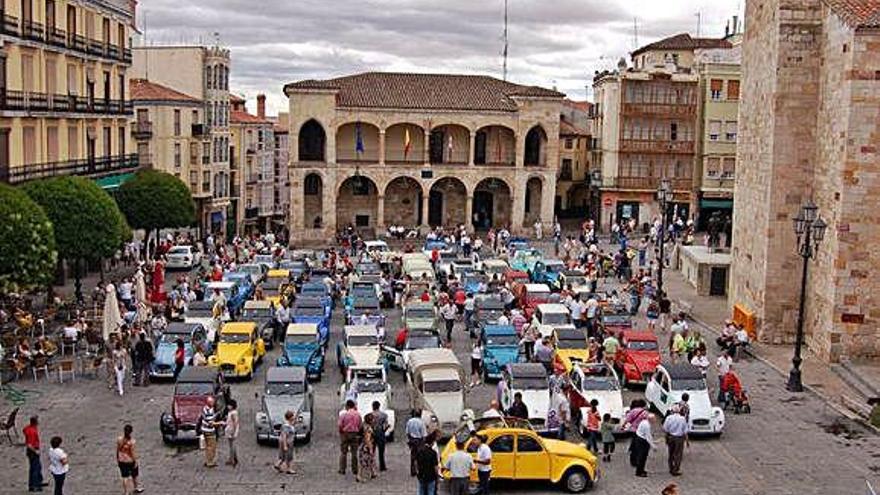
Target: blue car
317, 290
517, 243
192, 335
500, 348
245, 282
312, 310
547, 271
365, 306
472, 280
302, 347
235, 295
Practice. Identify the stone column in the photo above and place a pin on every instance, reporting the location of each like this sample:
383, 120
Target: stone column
469, 212
548, 201
427, 148
517, 213
380, 213
472, 149
425, 197
382, 147
328, 204
297, 202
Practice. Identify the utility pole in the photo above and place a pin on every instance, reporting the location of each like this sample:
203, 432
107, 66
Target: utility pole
699, 16
504, 70
635, 34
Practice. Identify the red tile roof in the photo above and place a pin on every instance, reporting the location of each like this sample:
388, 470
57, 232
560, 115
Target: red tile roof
234, 98
683, 41
424, 91
580, 105
857, 13
568, 129
144, 90
239, 117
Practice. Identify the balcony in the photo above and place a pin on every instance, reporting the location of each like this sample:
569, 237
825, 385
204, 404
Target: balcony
34, 31
660, 110
142, 129
57, 37
252, 179
206, 159
250, 213
199, 130
145, 160
650, 183
94, 168
10, 25
654, 146
28, 101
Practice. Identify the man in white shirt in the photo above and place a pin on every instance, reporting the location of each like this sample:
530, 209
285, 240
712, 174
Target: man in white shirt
722, 364
642, 444
459, 464
676, 428
484, 463
493, 411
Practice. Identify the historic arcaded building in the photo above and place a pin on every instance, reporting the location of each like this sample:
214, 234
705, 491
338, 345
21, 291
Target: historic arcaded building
376, 149
809, 127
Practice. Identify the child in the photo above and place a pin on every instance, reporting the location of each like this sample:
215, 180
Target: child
606, 429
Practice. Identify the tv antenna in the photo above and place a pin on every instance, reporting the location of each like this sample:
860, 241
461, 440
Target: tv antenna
699, 16
635, 33
504, 67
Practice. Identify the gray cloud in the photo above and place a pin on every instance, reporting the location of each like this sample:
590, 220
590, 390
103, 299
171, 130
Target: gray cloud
552, 42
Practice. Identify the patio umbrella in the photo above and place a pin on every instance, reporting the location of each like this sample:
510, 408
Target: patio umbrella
140, 287
112, 318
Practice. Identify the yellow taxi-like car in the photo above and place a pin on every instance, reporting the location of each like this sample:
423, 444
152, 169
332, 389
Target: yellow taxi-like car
275, 285
239, 350
519, 453
571, 347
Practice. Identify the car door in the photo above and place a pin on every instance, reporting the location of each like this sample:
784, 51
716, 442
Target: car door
503, 456
652, 389
505, 397
532, 460
392, 356
665, 398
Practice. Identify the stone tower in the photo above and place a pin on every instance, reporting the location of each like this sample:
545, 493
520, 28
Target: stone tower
809, 127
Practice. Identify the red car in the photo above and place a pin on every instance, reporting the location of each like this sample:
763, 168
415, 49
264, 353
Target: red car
639, 354
515, 277
195, 385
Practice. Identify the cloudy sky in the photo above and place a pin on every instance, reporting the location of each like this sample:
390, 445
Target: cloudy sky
551, 42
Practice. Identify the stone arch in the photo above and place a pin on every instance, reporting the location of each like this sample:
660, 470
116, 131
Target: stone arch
447, 202
535, 153
403, 202
313, 200
495, 145
357, 202
347, 149
312, 142
534, 195
492, 205
450, 143
396, 150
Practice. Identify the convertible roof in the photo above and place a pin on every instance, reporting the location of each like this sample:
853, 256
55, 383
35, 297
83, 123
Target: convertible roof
286, 374
527, 370
200, 305
181, 328
198, 374
683, 371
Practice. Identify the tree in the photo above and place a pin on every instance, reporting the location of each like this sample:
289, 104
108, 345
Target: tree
154, 200
27, 242
88, 225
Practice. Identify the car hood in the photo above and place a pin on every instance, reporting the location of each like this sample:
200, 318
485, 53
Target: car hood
568, 449
231, 353
165, 354
300, 355
308, 319
610, 401
447, 406
644, 361
569, 356
502, 354
363, 355
188, 409
537, 401
365, 401
277, 407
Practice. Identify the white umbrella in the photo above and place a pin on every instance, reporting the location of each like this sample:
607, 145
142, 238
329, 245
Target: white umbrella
140, 288
112, 319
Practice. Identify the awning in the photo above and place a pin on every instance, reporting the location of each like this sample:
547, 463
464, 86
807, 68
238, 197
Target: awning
113, 181
726, 204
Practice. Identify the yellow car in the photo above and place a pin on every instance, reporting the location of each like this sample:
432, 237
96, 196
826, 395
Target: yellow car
239, 350
275, 285
519, 453
571, 346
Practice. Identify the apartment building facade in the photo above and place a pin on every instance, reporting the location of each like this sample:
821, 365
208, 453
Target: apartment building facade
64, 89
572, 182
202, 73
252, 149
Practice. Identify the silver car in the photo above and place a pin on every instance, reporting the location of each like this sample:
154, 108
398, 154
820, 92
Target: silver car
287, 389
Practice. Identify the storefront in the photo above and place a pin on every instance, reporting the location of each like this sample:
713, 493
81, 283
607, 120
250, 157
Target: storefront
712, 206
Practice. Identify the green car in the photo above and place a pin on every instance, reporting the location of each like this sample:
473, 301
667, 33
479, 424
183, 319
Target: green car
420, 316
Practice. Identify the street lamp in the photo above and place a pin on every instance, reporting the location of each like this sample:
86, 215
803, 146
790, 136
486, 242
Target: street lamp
595, 183
664, 197
810, 230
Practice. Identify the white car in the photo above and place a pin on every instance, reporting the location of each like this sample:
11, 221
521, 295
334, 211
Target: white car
365, 385
255, 270
530, 380
666, 387
595, 381
183, 257
359, 346
436, 383
551, 316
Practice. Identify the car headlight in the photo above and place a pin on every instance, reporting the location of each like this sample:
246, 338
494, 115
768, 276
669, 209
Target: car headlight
300, 419
241, 361
716, 413
167, 419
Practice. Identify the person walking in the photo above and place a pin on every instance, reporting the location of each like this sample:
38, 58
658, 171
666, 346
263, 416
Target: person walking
459, 465
484, 463
427, 469
286, 440
380, 424
606, 430
58, 464
366, 452
415, 437
32, 450
593, 427
449, 312
126, 459
643, 442
209, 426
723, 365
179, 358
476, 364
233, 425
120, 361
676, 428
143, 352
349, 426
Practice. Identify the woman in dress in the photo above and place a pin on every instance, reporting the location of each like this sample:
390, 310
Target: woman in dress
367, 452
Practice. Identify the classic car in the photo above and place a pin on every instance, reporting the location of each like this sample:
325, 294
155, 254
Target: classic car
312, 310
518, 453
263, 314
530, 296
286, 389
615, 322
368, 269
368, 307
547, 271
670, 381
418, 269
571, 346
235, 295
255, 270
244, 280
440, 245
638, 356
266, 260
530, 380
515, 278
364, 287
576, 279
472, 281
524, 259
317, 290
365, 385
419, 315
597, 381
495, 267
415, 340
193, 335
460, 266
550, 316
275, 289
302, 347
202, 312
194, 386
444, 264
517, 243
436, 384
359, 346
487, 310
500, 348
182, 257
239, 351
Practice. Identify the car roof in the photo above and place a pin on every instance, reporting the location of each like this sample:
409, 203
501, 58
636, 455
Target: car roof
308, 302
567, 333
419, 305
200, 305
440, 374
366, 302
238, 327
302, 329
574, 273
499, 330
527, 370
197, 374
432, 356
181, 328
537, 288
369, 330
225, 284
682, 371
639, 335
553, 308
286, 374
251, 304
278, 272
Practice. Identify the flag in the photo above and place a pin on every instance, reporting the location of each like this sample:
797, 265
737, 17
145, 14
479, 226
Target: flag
450, 147
406, 143
358, 139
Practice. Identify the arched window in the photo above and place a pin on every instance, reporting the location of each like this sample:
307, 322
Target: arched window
208, 77
311, 141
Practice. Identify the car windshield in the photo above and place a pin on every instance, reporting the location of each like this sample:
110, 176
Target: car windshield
299, 339
421, 314
600, 383
423, 342
171, 338
642, 345
199, 313
495, 268
499, 340
308, 311
257, 313
361, 340
178, 250
370, 386
285, 388
571, 343
689, 384
473, 279
554, 319
530, 384
437, 386
194, 389
616, 320
234, 338
314, 291
555, 267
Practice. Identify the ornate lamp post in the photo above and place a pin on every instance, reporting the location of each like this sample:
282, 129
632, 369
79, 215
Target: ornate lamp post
595, 179
810, 230
664, 197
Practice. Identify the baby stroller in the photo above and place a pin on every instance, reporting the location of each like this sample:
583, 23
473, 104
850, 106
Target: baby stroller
734, 394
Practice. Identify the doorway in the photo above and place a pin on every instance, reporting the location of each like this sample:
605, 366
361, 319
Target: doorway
484, 206
718, 281
435, 208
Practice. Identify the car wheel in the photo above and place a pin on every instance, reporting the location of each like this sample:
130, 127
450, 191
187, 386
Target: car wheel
167, 439
249, 375
473, 488
576, 480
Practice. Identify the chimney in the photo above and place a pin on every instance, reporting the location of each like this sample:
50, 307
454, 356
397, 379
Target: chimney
261, 106
735, 24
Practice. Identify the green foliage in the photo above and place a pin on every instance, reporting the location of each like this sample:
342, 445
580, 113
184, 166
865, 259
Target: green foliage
27, 242
87, 222
156, 200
